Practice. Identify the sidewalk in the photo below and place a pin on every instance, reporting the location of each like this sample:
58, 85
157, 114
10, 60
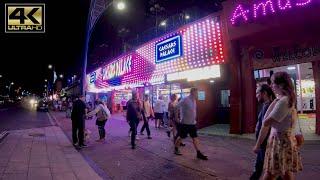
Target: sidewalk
229, 158
41, 154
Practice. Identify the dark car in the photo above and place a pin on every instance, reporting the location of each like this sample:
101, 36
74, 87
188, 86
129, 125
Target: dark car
42, 105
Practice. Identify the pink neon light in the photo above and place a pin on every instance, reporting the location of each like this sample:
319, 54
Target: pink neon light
264, 8
303, 3
287, 5
198, 40
239, 12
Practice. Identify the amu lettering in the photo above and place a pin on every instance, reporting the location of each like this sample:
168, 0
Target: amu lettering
265, 7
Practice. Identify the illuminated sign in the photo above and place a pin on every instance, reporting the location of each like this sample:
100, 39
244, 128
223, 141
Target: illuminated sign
117, 68
201, 44
265, 7
169, 49
92, 77
196, 74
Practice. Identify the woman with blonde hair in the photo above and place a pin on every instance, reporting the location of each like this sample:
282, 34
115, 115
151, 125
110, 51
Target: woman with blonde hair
282, 157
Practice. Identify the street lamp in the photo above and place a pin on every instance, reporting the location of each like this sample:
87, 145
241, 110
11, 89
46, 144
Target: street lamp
0, 76
45, 80
89, 29
163, 23
187, 17
121, 5
50, 66
61, 76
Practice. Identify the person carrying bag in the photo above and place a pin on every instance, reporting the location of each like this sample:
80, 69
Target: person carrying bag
103, 114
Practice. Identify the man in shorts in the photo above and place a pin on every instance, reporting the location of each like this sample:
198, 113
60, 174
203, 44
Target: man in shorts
188, 112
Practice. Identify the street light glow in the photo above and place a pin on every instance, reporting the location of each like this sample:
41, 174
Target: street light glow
61, 76
0, 76
187, 17
121, 5
50, 66
163, 23
12, 83
45, 80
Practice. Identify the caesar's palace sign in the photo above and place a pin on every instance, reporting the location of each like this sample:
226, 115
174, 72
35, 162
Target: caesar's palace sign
117, 68
169, 49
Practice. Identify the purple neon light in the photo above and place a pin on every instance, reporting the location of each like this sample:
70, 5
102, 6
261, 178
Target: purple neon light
263, 6
239, 12
303, 2
286, 6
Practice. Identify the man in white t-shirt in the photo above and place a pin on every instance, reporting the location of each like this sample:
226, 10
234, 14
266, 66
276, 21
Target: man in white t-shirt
159, 111
188, 112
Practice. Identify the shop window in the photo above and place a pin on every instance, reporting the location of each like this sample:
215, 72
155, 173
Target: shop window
224, 98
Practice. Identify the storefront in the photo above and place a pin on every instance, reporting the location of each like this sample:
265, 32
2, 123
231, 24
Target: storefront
191, 56
268, 36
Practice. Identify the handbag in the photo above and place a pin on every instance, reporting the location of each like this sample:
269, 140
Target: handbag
102, 115
299, 136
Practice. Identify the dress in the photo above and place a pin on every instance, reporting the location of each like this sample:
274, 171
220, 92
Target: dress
282, 154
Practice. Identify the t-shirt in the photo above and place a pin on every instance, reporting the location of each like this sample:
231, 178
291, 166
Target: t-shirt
159, 106
283, 115
78, 110
188, 111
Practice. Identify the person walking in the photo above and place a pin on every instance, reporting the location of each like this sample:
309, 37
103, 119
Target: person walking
188, 111
78, 122
147, 113
103, 114
159, 111
134, 116
282, 157
265, 96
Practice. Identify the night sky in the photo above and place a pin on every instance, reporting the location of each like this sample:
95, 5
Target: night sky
24, 58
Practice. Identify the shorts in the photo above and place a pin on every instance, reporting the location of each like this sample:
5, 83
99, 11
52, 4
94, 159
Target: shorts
185, 129
158, 116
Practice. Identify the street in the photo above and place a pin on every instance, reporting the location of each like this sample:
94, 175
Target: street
229, 157
15, 118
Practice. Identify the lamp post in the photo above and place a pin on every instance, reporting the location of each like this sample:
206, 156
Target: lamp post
89, 29
11, 84
156, 9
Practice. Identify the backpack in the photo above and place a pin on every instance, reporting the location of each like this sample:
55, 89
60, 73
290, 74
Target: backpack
102, 115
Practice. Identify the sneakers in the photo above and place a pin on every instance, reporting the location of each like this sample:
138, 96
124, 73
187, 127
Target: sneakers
201, 156
100, 140
133, 147
137, 138
149, 137
177, 152
141, 133
83, 146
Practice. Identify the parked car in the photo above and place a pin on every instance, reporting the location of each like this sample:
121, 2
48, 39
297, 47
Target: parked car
43, 105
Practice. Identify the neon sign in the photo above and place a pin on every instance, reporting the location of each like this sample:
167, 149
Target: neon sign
117, 68
169, 49
265, 7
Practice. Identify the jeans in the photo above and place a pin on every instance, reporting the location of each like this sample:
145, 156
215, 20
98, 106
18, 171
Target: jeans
145, 125
258, 169
102, 131
133, 128
77, 132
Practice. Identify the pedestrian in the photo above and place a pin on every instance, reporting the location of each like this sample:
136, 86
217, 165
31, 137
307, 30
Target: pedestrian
159, 111
265, 96
188, 112
282, 157
78, 122
102, 115
134, 116
147, 114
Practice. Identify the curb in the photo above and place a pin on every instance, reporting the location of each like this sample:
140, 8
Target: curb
3, 135
91, 163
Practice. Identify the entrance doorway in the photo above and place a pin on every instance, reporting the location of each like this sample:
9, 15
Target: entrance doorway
303, 80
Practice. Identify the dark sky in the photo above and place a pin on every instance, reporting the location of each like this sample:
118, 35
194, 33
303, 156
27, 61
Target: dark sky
24, 58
